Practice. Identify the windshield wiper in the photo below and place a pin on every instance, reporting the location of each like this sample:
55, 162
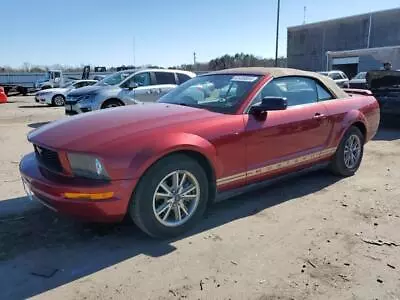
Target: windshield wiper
181, 103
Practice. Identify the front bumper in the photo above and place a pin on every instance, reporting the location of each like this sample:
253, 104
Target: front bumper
49, 188
74, 108
44, 99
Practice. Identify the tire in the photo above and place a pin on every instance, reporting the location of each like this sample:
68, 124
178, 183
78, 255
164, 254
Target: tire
58, 100
111, 104
341, 164
144, 202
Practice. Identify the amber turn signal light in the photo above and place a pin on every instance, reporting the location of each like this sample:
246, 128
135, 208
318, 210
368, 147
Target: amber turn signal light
89, 196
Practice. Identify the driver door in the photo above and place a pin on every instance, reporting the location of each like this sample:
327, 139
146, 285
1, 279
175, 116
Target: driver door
141, 93
285, 137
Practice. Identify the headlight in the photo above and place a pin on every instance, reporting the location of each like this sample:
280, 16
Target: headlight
87, 97
87, 166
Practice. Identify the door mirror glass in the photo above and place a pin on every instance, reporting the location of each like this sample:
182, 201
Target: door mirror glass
268, 104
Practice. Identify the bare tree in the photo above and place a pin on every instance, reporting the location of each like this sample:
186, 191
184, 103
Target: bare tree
26, 67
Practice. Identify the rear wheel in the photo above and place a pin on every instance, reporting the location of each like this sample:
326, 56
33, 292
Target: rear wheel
171, 197
349, 154
58, 100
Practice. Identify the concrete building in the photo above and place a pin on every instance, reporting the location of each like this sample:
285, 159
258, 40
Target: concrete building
351, 44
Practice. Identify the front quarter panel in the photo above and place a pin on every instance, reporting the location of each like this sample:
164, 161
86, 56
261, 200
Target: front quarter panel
154, 149
103, 95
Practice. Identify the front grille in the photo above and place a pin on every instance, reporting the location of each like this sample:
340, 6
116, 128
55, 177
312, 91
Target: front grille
71, 112
72, 99
48, 159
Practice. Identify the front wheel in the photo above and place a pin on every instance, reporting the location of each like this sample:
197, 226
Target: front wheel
171, 197
111, 104
58, 100
349, 154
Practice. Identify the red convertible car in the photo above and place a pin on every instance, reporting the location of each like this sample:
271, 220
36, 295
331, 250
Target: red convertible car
161, 163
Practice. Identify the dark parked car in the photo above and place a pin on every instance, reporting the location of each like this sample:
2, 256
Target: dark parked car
385, 85
359, 81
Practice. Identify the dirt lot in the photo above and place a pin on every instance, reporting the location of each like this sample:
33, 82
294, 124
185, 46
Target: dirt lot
311, 237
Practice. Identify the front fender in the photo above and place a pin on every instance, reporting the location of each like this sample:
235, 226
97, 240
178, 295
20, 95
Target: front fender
170, 143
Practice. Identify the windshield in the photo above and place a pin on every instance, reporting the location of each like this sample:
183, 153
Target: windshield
68, 84
46, 76
220, 93
115, 78
360, 75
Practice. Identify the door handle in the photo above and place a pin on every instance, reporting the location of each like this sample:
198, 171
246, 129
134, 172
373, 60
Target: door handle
319, 116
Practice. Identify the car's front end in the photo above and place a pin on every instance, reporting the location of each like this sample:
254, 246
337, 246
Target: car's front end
86, 99
88, 166
81, 103
91, 98
76, 184
44, 97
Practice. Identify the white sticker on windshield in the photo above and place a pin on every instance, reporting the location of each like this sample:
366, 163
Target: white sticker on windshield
244, 78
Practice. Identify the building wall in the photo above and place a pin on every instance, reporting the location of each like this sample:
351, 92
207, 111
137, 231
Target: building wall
371, 59
308, 44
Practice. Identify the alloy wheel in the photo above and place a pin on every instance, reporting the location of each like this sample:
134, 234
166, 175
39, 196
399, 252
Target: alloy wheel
176, 198
59, 101
352, 151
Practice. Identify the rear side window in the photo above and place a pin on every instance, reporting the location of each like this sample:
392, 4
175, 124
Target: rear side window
323, 94
335, 76
165, 78
182, 77
79, 85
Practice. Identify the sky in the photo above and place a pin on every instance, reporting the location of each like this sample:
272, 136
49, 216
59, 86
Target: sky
158, 32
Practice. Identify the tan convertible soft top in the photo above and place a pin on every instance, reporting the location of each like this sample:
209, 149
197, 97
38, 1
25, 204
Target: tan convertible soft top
283, 72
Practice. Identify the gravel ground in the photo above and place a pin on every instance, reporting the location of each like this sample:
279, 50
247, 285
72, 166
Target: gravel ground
312, 237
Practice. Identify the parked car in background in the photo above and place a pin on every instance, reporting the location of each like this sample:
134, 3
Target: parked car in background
339, 77
385, 86
56, 96
359, 81
124, 88
162, 163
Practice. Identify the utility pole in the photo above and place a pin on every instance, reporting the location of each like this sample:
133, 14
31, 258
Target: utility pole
194, 58
304, 17
277, 33
134, 52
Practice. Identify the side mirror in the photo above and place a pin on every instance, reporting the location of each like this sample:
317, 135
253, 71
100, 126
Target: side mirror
132, 85
268, 103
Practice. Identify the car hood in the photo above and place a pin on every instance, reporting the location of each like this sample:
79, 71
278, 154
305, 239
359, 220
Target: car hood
54, 91
88, 90
357, 81
97, 131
